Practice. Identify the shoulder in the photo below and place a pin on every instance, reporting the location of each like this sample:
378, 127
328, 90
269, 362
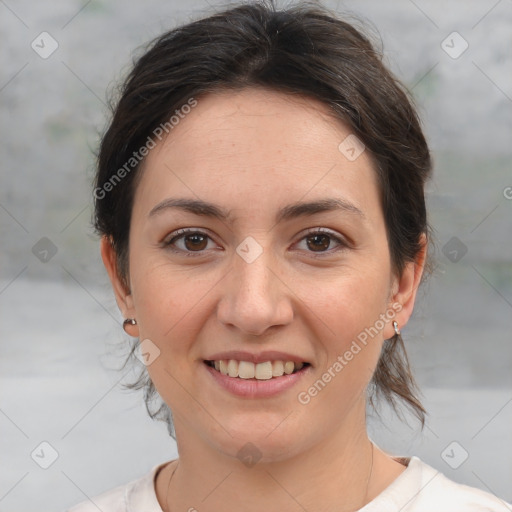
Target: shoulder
113, 500
136, 495
446, 495
421, 488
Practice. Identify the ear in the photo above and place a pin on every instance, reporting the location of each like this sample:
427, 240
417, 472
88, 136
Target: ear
405, 288
123, 295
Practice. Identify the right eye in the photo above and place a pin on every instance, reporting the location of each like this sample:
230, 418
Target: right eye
188, 241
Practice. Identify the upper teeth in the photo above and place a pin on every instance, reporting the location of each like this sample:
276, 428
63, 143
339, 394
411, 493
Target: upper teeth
260, 371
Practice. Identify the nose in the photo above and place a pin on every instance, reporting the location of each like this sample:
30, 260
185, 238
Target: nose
254, 297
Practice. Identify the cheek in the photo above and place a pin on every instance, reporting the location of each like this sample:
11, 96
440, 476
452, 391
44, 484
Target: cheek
349, 356
350, 328
160, 306
348, 301
170, 303
171, 313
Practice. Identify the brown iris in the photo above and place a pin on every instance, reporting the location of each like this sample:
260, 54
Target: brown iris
196, 242
318, 241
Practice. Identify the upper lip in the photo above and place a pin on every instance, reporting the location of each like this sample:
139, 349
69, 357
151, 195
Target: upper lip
260, 357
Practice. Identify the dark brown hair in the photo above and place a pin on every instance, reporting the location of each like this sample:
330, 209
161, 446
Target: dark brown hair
302, 50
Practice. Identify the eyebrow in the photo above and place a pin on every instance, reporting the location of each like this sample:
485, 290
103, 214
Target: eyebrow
294, 210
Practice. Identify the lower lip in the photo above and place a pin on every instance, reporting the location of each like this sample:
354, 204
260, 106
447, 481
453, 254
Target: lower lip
254, 388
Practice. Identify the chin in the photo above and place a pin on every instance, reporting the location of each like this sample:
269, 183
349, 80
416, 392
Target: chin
263, 438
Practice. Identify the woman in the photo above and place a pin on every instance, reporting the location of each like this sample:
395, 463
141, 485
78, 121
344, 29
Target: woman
260, 196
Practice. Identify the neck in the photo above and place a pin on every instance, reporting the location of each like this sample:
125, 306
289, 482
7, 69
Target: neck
341, 473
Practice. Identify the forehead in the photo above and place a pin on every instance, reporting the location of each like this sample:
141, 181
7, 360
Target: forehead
258, 120
257, 144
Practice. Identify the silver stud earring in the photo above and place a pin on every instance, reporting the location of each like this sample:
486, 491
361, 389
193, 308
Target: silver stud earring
127, 322
397, 329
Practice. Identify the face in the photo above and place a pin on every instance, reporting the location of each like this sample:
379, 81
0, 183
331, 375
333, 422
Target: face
254, 238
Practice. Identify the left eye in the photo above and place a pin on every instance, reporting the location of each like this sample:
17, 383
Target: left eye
320, 241
190, 241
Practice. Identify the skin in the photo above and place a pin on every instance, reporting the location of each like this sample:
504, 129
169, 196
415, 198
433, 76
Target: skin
253, 152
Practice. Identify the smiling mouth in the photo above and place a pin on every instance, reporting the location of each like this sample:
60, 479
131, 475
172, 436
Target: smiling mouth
260, 371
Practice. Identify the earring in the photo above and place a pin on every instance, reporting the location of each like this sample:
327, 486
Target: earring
127, 322
397, 329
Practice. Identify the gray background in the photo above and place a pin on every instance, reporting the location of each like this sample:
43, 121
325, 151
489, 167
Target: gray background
60, 331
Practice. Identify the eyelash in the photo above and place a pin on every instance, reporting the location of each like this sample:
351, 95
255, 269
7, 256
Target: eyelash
181, 233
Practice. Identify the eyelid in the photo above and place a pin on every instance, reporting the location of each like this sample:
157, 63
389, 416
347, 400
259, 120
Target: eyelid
342, 241
327, 231
184, 231
179, 234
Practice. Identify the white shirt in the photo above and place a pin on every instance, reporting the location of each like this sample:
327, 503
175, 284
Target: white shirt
420, 488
